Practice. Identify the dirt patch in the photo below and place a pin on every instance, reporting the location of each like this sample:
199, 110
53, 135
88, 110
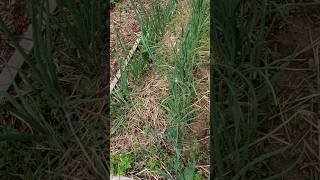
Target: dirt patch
300, 33
201, 128
294, 83
198, 131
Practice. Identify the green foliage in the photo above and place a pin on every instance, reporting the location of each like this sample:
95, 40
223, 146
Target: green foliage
147, 129
83, 25
113, 3
178, 105
41, 102
197, 176
153, 165
168, 161
137, 67
121, 163
152, 22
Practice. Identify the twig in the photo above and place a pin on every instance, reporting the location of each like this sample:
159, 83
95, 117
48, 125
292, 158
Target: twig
115, 80
16, 61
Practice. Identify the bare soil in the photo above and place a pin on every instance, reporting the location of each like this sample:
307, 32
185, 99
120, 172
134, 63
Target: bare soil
303, 30
295, 83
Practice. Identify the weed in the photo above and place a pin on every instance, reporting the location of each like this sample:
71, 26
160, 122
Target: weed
168, 161
121, 163
147, 129
114, 3
197, 176
124, 83
152, 22
153, 165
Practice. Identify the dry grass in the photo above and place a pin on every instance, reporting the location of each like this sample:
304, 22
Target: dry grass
146, 111
173, 31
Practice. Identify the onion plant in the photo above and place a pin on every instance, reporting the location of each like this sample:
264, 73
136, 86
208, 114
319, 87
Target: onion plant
243, 90
51, 133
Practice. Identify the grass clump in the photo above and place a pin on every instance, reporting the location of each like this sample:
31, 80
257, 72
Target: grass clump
152, 21
153, 165
83, 26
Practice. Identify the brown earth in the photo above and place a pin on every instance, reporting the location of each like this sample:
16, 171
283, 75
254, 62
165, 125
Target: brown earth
297, 82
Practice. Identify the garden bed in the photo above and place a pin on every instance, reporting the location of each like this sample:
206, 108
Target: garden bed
142, 131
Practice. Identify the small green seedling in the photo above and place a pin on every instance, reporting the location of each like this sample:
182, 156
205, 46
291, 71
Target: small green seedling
153, 165
121, 163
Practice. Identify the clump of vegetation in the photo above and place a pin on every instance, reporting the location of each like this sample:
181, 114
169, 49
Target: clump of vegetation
114, 3
153, 165
181, 84
120, 164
